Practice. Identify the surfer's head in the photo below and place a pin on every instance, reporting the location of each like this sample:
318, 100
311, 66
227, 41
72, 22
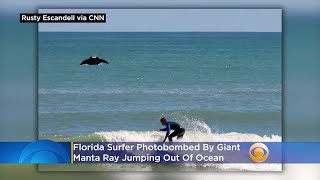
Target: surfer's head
163, 121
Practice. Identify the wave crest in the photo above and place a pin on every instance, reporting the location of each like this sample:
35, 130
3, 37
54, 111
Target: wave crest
154, 136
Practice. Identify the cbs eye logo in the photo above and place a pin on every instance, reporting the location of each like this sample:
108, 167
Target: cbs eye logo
43, 152
258, 152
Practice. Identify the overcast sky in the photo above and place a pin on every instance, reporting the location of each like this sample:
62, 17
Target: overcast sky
172, 20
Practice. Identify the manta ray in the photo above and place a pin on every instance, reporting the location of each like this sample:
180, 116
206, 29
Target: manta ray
93, 60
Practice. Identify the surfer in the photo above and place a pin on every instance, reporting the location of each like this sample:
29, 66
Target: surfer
178, 129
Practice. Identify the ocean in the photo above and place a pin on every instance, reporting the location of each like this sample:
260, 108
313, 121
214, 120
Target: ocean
219, 86
208, 82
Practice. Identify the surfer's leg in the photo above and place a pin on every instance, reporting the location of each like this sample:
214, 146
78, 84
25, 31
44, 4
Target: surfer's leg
180, 135
173, 134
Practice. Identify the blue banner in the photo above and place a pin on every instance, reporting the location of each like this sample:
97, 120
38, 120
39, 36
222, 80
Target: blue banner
50, 152
301, 152
177, 152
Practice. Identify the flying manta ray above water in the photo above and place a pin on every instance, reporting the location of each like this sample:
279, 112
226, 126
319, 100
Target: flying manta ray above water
93, 60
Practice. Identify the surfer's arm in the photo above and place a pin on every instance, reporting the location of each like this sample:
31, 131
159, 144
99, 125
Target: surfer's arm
166, 129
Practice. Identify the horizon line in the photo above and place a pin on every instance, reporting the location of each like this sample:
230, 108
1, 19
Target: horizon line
165, 31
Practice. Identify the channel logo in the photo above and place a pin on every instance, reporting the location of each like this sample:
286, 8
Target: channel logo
258, 152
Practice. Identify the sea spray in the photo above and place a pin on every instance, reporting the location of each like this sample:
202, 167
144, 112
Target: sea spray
190, 123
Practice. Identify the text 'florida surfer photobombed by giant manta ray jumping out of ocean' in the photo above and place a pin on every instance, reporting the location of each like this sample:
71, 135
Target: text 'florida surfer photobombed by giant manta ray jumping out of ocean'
93, 60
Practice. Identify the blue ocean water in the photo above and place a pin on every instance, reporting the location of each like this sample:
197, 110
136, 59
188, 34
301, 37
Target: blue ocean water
208, 82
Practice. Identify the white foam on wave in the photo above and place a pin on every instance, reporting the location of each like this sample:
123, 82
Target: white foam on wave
190, 136
196, 131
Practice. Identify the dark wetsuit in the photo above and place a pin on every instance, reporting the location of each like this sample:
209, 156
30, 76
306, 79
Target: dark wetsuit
178, 130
